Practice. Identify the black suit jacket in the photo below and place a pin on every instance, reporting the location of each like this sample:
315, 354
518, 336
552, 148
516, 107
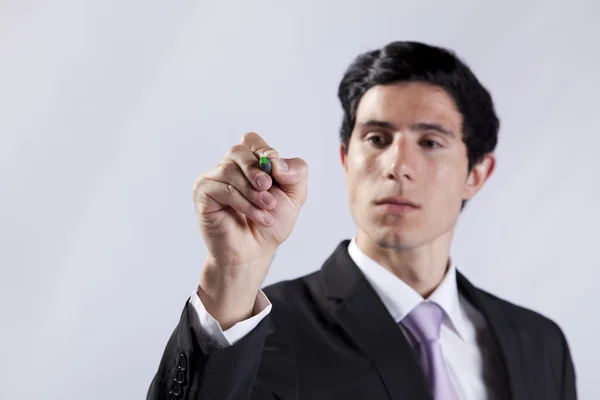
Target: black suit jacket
329, 336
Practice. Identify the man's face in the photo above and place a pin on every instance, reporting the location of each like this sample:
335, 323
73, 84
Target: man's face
407, 145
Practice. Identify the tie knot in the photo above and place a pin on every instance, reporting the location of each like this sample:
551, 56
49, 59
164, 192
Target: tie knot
424, 321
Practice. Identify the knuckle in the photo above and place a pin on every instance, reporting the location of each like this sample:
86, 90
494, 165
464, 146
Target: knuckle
249, 137
198, 184
226, 169
229, 190
200, 191
234, 150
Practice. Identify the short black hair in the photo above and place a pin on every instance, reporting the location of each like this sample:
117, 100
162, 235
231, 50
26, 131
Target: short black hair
404, 61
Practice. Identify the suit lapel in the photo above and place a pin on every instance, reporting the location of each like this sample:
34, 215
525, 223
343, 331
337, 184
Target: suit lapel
364, 318
504, 334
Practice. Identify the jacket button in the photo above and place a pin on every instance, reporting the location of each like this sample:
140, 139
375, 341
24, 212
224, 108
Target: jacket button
175, 389
179, 376
182, 362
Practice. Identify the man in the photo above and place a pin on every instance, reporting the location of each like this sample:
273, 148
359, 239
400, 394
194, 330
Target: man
388, 316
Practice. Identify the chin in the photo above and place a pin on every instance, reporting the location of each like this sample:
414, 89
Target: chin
390, 233
389, 238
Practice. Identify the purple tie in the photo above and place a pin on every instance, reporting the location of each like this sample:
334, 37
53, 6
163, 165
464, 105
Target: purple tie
424, 323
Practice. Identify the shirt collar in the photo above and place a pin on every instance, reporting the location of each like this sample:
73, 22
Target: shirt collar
400, 299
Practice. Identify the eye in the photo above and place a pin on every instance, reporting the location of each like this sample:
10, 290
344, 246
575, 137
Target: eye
432, 144
377, 140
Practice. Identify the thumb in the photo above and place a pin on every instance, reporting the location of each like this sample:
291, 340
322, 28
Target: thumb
292, 176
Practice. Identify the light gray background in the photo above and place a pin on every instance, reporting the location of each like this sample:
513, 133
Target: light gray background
109, 110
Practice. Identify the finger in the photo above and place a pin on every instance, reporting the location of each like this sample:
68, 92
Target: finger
292, 176
258, 145
227, 195
230, 173
249, 166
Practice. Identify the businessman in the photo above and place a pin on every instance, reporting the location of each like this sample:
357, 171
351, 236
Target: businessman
388, 315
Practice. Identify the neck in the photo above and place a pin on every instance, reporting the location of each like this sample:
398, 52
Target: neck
421, 267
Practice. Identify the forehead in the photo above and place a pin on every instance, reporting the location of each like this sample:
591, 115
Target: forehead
409, 102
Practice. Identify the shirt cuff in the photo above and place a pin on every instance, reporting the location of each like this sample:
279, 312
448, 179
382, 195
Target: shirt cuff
210, 334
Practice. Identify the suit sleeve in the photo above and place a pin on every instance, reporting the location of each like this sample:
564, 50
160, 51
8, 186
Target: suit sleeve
569, 382
209, 331
259, 366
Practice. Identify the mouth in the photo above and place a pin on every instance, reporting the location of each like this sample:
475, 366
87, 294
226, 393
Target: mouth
395, 205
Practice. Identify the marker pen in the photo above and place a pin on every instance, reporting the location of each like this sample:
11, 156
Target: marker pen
265, 165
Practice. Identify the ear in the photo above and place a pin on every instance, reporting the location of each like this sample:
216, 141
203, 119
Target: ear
344, 157
479, 175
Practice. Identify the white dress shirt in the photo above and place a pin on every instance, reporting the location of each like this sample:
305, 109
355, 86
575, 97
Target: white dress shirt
464, 335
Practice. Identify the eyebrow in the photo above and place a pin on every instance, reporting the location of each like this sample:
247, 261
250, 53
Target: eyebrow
420, 126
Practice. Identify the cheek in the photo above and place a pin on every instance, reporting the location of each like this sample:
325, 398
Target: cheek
447, 181
442, 173
358, 178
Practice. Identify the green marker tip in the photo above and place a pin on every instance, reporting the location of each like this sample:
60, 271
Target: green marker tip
265, 164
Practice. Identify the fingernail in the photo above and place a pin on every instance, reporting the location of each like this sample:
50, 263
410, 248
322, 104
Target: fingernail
260, 179
266, 197
281, 165
268, 218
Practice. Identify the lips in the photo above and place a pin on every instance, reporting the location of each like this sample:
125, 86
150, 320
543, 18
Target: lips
397, 201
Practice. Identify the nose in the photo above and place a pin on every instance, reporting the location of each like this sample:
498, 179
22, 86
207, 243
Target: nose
399, 159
